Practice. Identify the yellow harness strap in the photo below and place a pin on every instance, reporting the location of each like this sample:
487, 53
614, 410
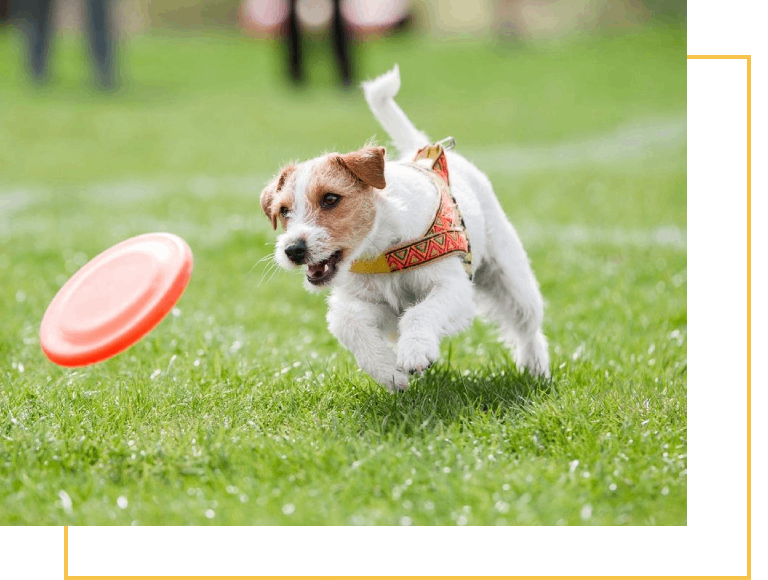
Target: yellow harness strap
446, 235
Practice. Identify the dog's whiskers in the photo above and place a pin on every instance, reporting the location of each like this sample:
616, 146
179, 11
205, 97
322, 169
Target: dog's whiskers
265, 277
267, 257
271, 268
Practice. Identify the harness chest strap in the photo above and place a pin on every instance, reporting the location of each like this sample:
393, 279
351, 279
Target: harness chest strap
446, 236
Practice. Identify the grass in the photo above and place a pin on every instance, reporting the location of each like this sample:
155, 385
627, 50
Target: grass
240, 408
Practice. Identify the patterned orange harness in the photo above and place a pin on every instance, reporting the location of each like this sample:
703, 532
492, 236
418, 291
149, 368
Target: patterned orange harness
446, 235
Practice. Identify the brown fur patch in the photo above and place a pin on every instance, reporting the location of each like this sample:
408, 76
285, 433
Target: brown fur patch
367, 165
351, 220
271, 198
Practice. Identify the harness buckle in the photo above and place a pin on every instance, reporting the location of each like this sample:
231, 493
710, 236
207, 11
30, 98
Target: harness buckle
448, 143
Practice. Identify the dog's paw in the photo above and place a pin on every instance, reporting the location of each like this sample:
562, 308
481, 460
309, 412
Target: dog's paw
399, 382
533, 356
394, 380
416, 354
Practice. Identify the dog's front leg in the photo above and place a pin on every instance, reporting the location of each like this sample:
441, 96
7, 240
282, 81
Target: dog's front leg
358, 326
446, 310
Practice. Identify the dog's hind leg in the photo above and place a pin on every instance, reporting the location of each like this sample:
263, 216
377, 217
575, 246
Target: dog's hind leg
507, 294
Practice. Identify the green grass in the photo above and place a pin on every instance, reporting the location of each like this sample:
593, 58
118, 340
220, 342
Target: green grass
241, 408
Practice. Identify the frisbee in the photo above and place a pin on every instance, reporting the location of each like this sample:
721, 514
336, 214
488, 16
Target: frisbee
113, 301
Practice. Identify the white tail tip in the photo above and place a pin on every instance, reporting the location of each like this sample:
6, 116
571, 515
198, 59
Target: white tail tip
383, 87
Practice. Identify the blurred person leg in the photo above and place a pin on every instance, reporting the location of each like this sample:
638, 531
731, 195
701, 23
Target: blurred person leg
101, 35
341, 44
295, 68
507, 25
35, 22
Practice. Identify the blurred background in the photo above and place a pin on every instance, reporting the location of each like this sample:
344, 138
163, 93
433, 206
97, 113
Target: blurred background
235, 86
526, 19
345, 24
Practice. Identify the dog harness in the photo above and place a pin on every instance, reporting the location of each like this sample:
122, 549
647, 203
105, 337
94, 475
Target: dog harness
446, 236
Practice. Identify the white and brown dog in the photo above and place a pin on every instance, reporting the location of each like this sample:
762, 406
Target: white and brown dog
339, 211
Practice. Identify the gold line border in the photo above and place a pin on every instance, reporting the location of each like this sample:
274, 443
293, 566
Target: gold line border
403, 577
749, 316
748, 58
719, 56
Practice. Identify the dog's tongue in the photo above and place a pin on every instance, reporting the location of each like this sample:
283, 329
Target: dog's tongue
317, 270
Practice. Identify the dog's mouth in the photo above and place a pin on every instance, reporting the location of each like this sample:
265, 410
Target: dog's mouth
322, 272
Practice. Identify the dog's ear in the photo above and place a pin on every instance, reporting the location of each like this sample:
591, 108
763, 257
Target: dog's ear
367, 165
267, 197
269, 193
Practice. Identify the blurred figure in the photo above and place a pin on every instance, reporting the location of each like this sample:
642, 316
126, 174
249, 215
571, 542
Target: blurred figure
293, 20
5, 10
507, 17
339, 36
35, 17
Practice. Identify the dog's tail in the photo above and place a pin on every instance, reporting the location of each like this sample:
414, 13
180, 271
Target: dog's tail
380, 94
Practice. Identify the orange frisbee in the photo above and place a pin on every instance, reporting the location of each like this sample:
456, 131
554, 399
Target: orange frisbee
115, 299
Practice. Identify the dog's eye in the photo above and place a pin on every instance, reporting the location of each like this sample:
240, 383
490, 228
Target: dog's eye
330, 200
284, 211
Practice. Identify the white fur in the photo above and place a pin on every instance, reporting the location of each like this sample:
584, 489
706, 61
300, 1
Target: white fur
424, 305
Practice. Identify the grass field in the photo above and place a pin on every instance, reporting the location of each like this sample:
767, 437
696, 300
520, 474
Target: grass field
240, 408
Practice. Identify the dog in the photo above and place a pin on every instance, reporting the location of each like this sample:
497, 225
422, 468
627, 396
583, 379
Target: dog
343, 212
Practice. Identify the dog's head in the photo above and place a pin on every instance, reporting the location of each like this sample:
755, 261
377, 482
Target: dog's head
327, 207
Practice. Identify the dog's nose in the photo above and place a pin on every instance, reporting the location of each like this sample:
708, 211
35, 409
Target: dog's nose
297, 252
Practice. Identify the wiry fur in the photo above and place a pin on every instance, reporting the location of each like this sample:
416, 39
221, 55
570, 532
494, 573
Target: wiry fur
420, 306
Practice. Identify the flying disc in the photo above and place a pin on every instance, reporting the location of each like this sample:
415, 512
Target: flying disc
113, 301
